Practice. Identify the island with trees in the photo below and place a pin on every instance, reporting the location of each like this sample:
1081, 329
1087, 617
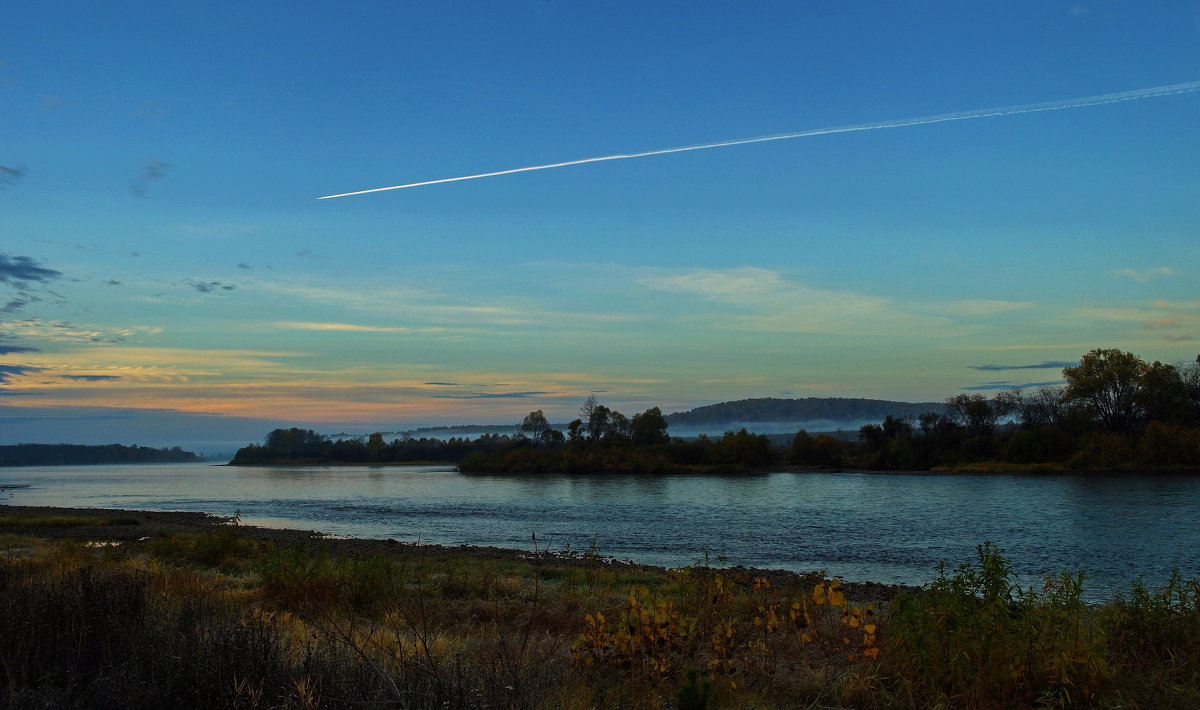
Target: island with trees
1115, 412
82, 455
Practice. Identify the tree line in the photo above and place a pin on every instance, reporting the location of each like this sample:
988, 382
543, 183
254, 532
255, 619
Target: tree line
1114, 412
83, 455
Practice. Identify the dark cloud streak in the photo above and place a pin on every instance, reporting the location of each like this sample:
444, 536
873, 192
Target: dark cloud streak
1048, 365
10, 349
9, 177
1005, 384
151, 171
7, 372
210, 286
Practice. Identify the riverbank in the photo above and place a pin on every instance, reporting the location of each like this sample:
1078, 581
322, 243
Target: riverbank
134, 526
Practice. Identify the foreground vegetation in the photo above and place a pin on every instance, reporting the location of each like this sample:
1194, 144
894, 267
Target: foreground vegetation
216, 619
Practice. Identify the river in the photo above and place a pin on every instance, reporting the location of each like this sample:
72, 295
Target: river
883, 528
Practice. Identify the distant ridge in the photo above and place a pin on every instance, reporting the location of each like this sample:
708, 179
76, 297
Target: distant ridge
807, 409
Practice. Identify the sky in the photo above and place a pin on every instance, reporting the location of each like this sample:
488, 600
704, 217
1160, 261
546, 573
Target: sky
167, 274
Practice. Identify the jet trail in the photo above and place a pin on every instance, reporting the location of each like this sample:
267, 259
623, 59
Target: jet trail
1058, 105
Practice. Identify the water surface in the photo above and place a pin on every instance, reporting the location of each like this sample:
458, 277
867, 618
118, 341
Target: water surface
885, 528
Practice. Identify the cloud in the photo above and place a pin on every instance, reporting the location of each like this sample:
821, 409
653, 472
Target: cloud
67, 332
244, 266
1144, 276
1079, 10
1047, 365
980, 308
91, 378
492, 395
1151, 316
9, 177
441, 384
149, 109
7, 372
1178, 338
341, 327
210, 286
22, 269
49, 103
10, 349
1005, 384
765, 301
151, 171
20, 273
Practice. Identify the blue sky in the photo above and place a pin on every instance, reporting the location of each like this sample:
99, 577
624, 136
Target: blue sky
162, 159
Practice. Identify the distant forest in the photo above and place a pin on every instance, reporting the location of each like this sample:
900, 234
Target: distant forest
80, 455
1115, 413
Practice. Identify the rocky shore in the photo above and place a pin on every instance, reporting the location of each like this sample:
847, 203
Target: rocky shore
136, 525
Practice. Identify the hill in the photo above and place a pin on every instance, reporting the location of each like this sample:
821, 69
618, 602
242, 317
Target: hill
770, 410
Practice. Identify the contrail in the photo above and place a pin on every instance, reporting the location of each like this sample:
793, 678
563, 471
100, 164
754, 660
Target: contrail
1058, 105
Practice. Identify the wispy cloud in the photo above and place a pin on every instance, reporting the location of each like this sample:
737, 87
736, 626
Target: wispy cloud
1006, 384
150, 172
91, 378
1146, 275
49, 102
210, 286
23, 269
10, 176
342, 327
49, 331
11, 349
1047, 365
768, 302
493, 395
979, 308
1151, 316
24, 276
149, 109
7, 372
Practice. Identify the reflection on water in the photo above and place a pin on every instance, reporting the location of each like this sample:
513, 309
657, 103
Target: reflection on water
878, 527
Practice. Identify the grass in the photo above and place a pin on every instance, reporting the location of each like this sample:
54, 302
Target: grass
61, 521
216, 620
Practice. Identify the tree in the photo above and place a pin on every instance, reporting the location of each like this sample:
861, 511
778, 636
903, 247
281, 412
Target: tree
375, 445
1107, 382
295, 442
535, 427
649, 428
1163, 395
1189, 373
597, 423
588, 409
616, 431
1042, 407
973, 412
